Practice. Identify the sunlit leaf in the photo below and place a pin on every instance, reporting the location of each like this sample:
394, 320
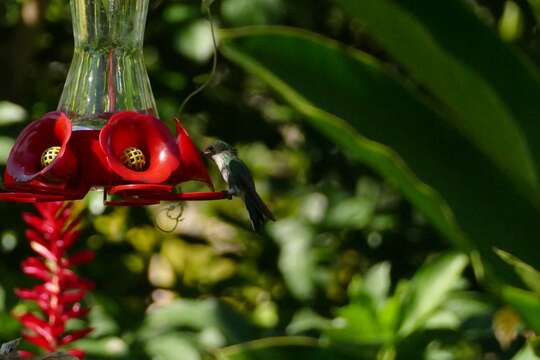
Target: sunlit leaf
306, 320
429, 288
6, 143
359, 323
534, 343
11, 113
377, 282
351, 213
172, 347
101, 321
160, 272
529, 275
112, 225
458, 308
526, 353
104, 347
511, 22
195, 41
196, 315
296, 259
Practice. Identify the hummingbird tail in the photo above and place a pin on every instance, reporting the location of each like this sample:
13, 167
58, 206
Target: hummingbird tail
259, 213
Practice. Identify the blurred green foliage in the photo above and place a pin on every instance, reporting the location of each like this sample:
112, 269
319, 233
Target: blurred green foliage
381, 161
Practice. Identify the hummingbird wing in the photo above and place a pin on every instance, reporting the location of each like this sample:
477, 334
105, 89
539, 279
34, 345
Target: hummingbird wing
240, 176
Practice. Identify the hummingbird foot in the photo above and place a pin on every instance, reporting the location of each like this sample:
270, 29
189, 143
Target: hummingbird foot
232, 192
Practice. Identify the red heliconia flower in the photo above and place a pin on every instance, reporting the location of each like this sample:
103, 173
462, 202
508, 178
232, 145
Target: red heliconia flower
144, 132
191, 165
51, 235
24, 162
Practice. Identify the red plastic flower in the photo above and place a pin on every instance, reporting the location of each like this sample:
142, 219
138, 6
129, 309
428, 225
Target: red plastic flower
144, 132
156, 161
191, 165
50, 236
24, 162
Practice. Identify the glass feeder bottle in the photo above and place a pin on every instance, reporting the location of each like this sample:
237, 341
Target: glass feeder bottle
107, 73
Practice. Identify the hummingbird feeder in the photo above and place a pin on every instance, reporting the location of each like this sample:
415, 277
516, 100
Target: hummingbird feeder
106, 132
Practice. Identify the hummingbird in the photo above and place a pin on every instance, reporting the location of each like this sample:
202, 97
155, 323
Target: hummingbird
240, 181
9, 350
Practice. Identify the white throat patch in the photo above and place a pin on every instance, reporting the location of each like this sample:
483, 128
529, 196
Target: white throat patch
219, 159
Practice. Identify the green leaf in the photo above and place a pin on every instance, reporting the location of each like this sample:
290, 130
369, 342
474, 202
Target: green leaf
535, 6
526, 303
103, 323
426, 344
6, 143
282, 348
429, 288
296, 258
306, 320
196, 315
529, 275
108, 347
252, 12
497, 95
172, 347
195, 41
359, 323
9, 327
353, 213
177, 13
511, 22
373, 117
526, 353
534, 343
466, 305
377, 282
2, 299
